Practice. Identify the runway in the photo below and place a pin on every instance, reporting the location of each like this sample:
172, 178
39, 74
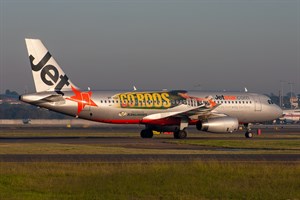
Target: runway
119, 158
160, 143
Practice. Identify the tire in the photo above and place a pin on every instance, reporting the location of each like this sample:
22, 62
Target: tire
248, 134
176, 135
146, 133
182, 134
143, 133
149, 133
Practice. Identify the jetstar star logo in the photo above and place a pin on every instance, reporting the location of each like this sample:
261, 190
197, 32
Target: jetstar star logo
82, 98
212, 103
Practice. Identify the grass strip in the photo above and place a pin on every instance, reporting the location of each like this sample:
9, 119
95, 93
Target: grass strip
245, 144
196, 180
57, 148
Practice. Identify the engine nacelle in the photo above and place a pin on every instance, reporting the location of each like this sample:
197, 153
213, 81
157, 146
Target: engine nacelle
219, 125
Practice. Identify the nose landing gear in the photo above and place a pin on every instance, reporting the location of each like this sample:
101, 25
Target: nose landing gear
248, 133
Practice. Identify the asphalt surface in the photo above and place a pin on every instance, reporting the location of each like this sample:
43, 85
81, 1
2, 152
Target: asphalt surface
138, 143
112, 158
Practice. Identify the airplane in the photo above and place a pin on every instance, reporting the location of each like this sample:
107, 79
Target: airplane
162, 111
290, 116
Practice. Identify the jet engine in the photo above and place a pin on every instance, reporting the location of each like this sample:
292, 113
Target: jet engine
218, 125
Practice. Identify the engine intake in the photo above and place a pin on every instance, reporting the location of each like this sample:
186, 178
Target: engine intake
219, 125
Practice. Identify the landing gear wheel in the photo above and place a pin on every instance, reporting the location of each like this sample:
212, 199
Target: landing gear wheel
146, 133
180, 134
143, 133
176, 133
248, 134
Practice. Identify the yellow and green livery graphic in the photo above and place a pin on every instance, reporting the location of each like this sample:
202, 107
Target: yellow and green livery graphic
149, 100
157, 100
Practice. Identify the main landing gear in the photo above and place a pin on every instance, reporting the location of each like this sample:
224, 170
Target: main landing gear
180, 134
146, 133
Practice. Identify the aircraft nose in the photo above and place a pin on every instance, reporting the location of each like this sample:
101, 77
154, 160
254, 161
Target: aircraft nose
277, 112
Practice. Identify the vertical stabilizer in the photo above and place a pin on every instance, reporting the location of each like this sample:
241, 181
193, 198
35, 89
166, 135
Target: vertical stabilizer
47, 74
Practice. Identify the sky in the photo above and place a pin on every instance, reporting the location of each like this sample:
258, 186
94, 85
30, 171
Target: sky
158, 44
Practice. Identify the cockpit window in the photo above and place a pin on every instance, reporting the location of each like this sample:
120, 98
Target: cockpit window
270, 101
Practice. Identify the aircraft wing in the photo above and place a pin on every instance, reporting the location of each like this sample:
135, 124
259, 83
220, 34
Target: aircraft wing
184, 111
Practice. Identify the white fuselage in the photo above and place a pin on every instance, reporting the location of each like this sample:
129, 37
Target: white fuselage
246, 107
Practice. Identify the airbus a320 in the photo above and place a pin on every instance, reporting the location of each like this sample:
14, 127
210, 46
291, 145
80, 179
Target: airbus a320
162, 111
